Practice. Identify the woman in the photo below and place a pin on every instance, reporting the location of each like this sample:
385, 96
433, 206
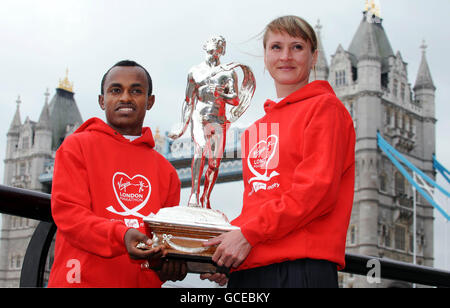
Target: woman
298, 171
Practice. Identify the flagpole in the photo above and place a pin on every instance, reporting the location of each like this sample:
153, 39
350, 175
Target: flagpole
414, 224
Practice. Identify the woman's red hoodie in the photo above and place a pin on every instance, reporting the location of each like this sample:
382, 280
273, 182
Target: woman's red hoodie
298, 170
103, 184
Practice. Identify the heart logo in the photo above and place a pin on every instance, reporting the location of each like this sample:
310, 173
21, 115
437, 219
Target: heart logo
131, 193
260, 157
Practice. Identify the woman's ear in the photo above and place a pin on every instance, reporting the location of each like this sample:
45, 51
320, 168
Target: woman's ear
315, 57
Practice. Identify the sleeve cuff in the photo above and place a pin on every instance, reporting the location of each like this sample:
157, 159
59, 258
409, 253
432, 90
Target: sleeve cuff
120, 231
252, 232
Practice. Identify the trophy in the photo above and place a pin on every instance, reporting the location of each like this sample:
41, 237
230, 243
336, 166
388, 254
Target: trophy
211, 86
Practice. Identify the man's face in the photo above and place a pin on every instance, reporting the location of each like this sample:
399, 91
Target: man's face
125, 99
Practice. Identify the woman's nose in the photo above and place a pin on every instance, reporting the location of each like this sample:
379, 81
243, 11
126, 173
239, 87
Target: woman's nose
285, 54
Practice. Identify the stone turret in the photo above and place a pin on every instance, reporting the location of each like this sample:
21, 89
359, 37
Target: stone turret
424, 88
321, 70
43, 132
367, 56
64, 113
12, 142
424, 96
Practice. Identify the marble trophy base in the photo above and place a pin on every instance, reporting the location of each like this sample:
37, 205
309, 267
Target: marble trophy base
182, 230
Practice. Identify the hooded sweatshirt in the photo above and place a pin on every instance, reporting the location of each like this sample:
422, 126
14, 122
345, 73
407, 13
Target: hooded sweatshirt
298, 171
103, 184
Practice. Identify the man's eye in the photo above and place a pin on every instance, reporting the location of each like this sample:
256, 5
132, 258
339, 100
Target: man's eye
298, 47
136, 91
114, 90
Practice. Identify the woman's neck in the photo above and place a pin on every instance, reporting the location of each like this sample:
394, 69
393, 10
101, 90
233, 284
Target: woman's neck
284, 90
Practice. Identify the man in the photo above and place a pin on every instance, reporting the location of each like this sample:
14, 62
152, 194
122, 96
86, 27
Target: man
107, 178
210, 87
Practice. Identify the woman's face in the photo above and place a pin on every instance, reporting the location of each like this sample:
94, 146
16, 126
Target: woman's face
289, 61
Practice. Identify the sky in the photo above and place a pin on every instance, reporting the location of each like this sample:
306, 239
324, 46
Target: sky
39, 40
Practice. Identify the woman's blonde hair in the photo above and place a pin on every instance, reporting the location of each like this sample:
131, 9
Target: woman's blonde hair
295, 27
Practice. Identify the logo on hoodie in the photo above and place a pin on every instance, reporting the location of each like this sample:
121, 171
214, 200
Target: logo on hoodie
132, 193
259, 162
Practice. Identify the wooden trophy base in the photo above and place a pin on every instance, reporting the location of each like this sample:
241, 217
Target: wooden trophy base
183, 236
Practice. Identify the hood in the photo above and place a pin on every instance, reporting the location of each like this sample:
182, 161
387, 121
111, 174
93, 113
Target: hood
315, 88
98, 125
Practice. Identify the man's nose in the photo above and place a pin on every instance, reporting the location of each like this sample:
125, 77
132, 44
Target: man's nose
125, 97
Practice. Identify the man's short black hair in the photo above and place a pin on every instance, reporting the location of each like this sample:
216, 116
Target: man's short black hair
128, 63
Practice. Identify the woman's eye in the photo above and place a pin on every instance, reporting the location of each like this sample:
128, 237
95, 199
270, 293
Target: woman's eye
275, 47
298, 47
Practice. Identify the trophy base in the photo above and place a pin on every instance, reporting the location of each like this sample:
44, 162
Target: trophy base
199, 265
182, 236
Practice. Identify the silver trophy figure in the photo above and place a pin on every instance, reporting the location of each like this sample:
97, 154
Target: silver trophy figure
210, 87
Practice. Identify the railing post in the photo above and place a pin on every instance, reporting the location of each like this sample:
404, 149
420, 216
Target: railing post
33, 268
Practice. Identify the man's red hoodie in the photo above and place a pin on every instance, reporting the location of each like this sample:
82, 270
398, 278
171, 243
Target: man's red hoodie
103, 184
298, 171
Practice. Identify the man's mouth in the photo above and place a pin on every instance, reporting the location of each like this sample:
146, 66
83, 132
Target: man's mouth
125, 108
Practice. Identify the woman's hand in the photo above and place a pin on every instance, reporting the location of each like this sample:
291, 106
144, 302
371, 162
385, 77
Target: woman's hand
233, 249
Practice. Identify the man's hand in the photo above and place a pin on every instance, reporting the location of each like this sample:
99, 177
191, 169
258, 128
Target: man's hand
139, 246
172, 270
221, 279
233, 249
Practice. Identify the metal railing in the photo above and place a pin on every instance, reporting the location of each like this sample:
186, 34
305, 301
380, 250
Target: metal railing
36, 205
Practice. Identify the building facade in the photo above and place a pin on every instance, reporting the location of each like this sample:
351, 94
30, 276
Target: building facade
30, 149
372, 81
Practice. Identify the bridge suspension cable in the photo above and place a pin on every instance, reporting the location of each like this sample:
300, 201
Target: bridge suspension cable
427, 186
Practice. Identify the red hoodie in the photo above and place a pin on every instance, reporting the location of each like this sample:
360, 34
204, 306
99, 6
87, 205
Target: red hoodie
103, 184
298, 170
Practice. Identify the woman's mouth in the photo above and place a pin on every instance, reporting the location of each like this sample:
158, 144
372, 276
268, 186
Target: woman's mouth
286, 68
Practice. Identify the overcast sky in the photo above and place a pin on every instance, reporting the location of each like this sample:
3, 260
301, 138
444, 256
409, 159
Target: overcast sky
40, 39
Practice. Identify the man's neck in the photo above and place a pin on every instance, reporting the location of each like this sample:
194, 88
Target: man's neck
137, 131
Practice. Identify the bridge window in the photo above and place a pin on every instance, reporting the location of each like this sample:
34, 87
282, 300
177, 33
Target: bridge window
395, 88
384, 80
399, 184
402, 91
25, 142
340, 78
383, 182
352, 235
386, 236
400, 237
388, 116
22, 169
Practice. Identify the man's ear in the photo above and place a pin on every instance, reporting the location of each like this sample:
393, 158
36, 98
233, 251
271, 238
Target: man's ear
101, 101
150, 102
